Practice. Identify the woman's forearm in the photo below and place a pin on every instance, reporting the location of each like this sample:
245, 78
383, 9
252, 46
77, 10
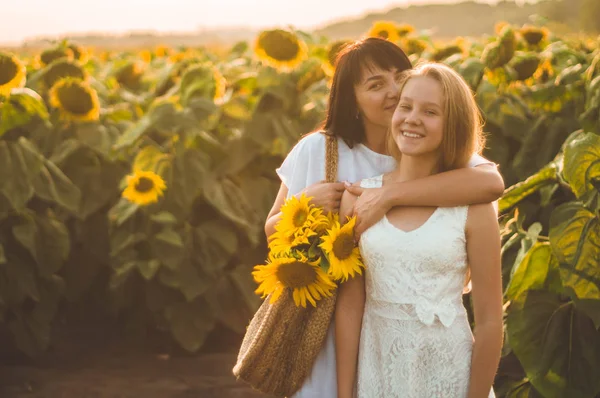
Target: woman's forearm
458, 187
485, 358
348, 322
271, 223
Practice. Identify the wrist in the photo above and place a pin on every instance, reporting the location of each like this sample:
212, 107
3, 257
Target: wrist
391, 196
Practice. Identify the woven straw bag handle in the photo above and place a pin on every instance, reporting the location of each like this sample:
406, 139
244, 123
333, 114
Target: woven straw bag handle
331, 158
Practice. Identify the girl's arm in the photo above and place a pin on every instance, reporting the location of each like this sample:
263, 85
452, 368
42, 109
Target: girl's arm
483, 252
470, 185
325, 195
348, 321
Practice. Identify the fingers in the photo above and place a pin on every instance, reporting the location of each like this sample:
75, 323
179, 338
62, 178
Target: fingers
355, 190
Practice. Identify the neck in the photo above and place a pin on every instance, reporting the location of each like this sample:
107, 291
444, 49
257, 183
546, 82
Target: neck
414, 167
375, 138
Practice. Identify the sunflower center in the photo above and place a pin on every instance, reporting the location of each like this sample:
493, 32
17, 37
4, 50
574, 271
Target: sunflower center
343, 246
297, 274
75, 99
8, 70
300, 218
280, 45
383, 33
144, 185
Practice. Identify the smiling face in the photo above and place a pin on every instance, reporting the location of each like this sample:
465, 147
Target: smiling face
418, 121
377, 96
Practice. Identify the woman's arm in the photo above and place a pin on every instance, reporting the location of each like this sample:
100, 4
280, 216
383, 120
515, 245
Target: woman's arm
483, 252
470, 185
348, 320
326, 195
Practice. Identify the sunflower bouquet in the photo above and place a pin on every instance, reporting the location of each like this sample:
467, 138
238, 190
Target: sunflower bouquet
309, 253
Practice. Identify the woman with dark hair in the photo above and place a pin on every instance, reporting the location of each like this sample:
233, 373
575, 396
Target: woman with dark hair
364, 95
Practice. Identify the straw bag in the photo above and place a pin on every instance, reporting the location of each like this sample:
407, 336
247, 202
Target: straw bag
283, 340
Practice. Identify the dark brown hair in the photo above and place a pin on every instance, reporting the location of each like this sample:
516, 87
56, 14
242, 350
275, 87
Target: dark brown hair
342, 108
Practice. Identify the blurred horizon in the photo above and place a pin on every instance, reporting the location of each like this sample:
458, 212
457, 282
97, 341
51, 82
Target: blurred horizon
121, 17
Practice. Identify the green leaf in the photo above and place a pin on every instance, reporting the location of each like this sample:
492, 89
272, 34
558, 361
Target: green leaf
521, 190
163, 217
231, 202
47, 240
96, 137
233, 300
148, 158
557, 345
533, 272
575, 239
17, 168
582, 162
169, 236
148, 268
216, 243
122, 211
52, 185
2, 255
21, 107
159, 117
186, 279
190, 323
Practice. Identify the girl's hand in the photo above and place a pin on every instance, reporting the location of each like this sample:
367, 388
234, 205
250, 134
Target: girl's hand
327, 195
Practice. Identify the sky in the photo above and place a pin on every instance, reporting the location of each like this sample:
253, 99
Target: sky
33, 18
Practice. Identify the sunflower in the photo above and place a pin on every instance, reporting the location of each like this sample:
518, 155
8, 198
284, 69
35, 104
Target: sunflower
544, 72
532, 35
306, 279
385, 30
12, 74
61, 69
144, 187
333, 51
280, 49
298, 213
405, 30
525, 64
75, 99
343, 254
203, 80
281, 242
130, 74
414, 46
79, 53
445, 52
53, 54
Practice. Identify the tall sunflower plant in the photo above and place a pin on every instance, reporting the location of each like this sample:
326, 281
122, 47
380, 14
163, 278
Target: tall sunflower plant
310, 253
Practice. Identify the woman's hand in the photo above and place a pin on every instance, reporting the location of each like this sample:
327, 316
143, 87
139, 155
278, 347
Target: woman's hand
370, 207
327, 195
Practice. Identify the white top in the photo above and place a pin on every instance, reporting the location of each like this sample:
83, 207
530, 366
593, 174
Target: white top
415, 340
305, 164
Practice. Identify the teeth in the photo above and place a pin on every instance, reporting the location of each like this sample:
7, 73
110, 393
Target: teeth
411, 135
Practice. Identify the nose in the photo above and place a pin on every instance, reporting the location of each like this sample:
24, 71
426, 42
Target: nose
412, 117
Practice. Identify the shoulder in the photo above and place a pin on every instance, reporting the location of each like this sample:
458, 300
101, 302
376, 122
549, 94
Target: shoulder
481, 215
312, 141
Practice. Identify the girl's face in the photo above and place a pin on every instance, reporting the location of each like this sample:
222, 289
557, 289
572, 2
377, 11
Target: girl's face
418, 121
377, 96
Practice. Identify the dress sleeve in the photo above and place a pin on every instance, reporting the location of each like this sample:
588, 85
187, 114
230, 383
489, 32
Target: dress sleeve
478, 160
304, 164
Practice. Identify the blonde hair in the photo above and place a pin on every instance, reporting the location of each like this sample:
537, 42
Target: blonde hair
463, 134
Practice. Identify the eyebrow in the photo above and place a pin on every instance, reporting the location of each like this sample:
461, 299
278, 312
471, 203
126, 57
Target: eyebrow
373, 78
426, 103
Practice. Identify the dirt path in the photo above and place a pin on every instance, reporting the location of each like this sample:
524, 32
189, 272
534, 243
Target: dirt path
135, 376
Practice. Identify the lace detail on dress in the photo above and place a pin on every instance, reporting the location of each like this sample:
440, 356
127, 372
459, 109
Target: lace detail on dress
416, 340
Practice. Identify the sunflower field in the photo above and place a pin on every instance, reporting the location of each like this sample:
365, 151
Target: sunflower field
137, 183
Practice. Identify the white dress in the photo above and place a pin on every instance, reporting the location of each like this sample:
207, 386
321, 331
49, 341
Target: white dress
415, 341
304, 166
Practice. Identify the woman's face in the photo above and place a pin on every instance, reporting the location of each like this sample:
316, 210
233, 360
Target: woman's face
377, 96
418, 121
